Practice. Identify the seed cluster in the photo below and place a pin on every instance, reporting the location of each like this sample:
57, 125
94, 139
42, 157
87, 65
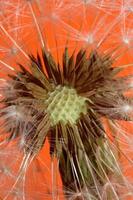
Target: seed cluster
65, 105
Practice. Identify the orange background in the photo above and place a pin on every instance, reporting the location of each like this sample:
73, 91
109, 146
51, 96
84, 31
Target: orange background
60, 22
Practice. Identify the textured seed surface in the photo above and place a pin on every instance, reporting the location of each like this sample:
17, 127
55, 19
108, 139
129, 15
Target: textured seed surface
65, 105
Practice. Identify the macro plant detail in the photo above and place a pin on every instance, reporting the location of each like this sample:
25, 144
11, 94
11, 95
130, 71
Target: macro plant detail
76, 99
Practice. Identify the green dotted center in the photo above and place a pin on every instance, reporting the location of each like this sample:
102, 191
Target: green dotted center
65, 105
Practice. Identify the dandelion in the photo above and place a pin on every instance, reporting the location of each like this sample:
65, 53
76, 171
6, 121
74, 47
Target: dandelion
75, 103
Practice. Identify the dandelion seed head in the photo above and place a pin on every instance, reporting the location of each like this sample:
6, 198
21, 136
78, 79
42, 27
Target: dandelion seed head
90, 39
16, 112
54, 16
126, 40
64, 105
127, 108
14, 50
22, 141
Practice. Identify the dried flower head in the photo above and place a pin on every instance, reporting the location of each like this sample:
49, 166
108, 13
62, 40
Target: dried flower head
66, 104
62, 87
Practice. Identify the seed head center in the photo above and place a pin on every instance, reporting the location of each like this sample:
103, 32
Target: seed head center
65, 105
